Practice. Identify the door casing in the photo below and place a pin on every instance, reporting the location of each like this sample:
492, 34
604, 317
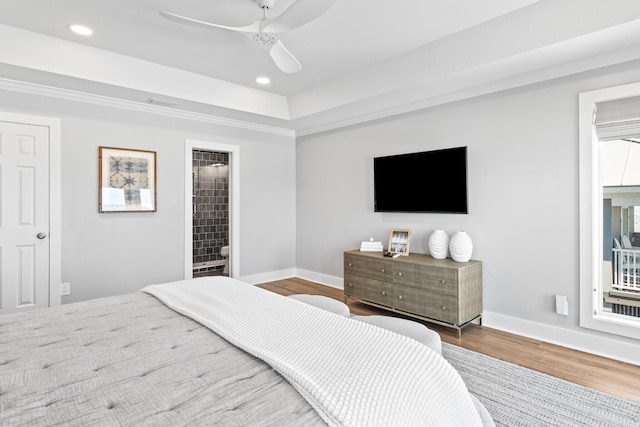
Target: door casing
234, 203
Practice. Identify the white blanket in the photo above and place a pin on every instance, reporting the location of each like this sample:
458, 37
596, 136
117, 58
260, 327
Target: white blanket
352, 373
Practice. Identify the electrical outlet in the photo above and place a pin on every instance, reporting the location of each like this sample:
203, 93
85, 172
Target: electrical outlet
65, 289
562, 305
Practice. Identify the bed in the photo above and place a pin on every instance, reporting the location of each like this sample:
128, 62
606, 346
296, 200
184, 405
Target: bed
216, 351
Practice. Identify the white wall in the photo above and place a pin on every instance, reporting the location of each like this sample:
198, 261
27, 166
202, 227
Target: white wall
109, 254
523, 199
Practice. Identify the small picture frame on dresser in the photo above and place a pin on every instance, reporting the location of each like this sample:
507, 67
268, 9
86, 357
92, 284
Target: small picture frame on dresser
399, 240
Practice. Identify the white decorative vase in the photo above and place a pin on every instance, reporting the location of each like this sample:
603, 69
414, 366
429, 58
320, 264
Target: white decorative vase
438, 244
460, 247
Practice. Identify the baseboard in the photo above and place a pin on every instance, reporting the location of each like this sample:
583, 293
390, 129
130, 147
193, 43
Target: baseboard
323, 279
598, 345
312, 276
271, 276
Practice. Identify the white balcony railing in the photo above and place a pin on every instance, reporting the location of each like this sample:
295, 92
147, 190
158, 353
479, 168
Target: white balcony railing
626, 269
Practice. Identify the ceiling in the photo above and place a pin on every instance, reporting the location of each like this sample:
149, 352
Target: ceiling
361, 59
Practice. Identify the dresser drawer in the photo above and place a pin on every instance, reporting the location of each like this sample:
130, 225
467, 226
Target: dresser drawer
440, 280
371, 268
430, 304
369, 289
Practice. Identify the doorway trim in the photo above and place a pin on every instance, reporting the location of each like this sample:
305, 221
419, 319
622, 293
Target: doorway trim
234, 203
55, 195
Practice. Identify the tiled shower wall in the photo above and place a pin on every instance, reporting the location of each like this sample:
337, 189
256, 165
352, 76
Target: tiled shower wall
210, 210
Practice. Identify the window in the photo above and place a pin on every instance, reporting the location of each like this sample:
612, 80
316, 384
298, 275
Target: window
609, 149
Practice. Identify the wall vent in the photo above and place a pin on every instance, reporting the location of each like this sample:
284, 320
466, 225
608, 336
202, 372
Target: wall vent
161, 102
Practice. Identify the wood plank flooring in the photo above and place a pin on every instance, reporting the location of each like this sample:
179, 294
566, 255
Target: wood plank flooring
607, 375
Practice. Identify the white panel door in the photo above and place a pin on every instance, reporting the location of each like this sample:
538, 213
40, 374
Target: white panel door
24, 217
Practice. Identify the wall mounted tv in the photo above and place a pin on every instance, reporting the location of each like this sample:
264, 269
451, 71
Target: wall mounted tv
429, 182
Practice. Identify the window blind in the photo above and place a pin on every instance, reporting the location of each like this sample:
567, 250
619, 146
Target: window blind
618, 119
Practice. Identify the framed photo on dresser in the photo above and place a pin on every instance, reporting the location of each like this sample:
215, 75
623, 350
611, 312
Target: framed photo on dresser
399, 241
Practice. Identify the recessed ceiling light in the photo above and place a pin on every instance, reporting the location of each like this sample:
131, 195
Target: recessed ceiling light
80, 29
263, 80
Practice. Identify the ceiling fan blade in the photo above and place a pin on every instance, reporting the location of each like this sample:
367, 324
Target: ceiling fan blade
251, 28
299, 13
284, 59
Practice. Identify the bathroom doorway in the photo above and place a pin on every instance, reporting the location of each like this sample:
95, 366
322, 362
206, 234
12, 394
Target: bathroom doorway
212, 173
210, 211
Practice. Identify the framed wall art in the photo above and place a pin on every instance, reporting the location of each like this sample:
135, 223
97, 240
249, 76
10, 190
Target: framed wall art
399, 240
127, 180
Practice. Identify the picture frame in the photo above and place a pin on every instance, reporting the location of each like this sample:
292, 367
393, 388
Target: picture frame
399, 241
127, 180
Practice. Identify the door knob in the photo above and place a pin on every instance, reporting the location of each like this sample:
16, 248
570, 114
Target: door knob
41, 235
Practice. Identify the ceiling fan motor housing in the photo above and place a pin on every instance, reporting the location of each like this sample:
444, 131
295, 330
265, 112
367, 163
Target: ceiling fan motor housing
264, 39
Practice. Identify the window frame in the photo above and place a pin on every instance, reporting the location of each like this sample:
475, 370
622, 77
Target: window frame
592, 315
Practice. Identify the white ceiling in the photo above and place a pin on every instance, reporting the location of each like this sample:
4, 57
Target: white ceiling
361, 59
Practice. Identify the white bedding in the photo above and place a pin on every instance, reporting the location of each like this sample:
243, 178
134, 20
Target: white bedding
352, 373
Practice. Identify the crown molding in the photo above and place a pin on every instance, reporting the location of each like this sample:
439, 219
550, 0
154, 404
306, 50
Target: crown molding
376, 108
84, 97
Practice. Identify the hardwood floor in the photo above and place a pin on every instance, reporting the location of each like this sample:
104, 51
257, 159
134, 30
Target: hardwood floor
600, 373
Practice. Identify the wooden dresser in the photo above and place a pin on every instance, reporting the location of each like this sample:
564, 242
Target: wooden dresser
444, 292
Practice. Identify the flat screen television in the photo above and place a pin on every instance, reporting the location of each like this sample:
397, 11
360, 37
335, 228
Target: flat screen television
429, 182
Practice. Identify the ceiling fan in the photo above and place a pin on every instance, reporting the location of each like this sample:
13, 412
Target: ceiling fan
266, 31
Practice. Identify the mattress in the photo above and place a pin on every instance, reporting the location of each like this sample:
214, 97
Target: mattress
130, 360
